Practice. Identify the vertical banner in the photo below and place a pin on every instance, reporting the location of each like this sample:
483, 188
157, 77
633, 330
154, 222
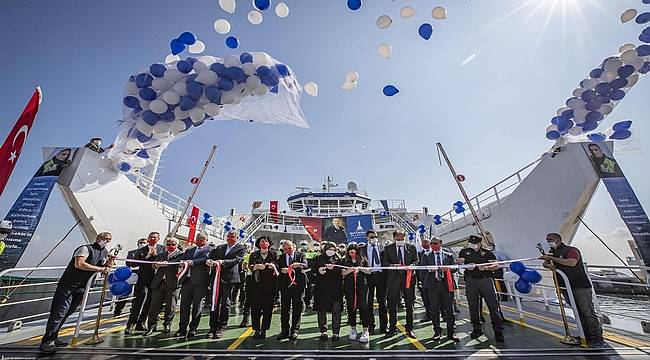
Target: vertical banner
273, 211
313, 226
194, 216
357, 226
26, 212
334, 230
621, 192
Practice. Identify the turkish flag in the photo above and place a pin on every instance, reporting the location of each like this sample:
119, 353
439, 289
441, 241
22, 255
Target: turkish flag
313, 226
273, 209
13, 145
194, 216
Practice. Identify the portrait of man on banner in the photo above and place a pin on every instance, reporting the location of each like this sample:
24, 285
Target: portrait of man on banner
60, 158
335, 230
603, 160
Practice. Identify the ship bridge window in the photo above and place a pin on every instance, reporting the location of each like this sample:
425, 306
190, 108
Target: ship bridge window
312, 203
329, 203
347, 203
295, 206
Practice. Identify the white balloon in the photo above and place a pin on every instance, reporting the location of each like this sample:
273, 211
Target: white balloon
252, 82
212, 109
199, 66
158, 106
144, 128
197, 48
160, 84
631, 80
551, 127
176, 127
575, 131
231, 60
261, 90
171, 97
132, 145
385, 50
255, 17
171, 58
613, 64
561, 110
136, 162
608, 76
577, 92
282, 10
575, 104
260, 59
228, 97
131, 88
629, 56
606, 109
591, 83
628, 15
228, 6
407, 11
197, 115
510, 277
180, 114
180, 88
439, 13
311, 88
249, 68
384, 22
207, 77
173, 75
626, 47
349, 85
351, 76
207, 60
222, 26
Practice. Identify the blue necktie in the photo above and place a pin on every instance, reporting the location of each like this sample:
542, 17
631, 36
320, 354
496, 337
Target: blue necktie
375, 256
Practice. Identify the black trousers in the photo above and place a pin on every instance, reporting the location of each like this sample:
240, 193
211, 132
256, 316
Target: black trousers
140, 305
291, 302
159, 296
191, 303
393, 294
261, 314
64, 303
361, 307
377, 290
219, 317
441, 300
475, 289
336, 318
424, 295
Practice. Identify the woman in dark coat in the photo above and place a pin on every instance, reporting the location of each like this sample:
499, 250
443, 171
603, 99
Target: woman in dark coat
356, 292
328, 290
262, 286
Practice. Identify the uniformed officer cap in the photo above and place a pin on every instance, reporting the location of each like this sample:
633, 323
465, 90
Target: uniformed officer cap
474, 239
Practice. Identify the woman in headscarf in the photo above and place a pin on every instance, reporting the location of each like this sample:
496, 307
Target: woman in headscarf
355, 289
328, 290
262, 286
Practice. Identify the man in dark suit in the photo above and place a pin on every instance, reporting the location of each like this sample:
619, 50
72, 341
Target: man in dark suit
121, 301
291, 265
376, 281
421, 274
439, 286
194, 286
229, 257
164, 286
402, 281
335, 233
142, 292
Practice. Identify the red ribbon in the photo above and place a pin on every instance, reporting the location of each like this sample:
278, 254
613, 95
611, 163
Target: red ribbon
215, 286
292, 275
182, 269
450, 282
409, 273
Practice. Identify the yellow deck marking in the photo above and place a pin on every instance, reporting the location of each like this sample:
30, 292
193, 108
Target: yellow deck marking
105, 332
415, 342
240, 339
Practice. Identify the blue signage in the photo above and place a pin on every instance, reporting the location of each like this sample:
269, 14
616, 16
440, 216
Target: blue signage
357, 225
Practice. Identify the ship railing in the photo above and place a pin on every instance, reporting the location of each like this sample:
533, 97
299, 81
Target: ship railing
483, 202
393, 204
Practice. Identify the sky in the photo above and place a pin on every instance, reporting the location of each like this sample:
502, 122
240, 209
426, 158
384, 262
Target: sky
485, 85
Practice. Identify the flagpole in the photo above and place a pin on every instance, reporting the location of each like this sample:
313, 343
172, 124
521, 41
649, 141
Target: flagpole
196, 187
441, 150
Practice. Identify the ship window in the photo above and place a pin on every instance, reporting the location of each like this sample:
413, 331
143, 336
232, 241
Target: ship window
329, 203
347, 203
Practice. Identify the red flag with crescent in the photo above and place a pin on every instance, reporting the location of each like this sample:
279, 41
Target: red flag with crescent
273, 210
194, 216
13, 145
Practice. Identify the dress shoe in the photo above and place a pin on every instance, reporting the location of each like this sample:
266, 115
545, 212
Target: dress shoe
128, 330
391, 333
437, 335
150, 331
256, 334
218, 334
210, 334
323, 336
476, 334
482, 318
411, 334
140, 327
498, 336
180, 333
453, 338
244, 322
263, 334
335, 337
371, 330
166, 329
191, 334
283, 335
117, 313
293, 336
60, 343
47, 348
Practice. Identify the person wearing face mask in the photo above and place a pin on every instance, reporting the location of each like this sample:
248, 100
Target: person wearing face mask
479, 284
194, 286
261, 263
376, 282
121, 300
355, 291
569, 260
400, 254
425, 244
86, 261
439, 286
164, 286
291, 283
142, 291
328, 290
229, 256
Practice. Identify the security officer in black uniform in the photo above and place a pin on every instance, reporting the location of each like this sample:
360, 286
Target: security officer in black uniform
478, 283
86, 261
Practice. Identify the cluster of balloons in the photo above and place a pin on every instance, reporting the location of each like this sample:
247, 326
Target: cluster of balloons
437, 219
458, 207
166, 101
207, 219
619, 131
411, 236
185, 39
523, 277
121, 280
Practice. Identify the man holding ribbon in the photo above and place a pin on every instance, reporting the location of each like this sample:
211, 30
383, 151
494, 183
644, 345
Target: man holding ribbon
194, 281
401, 280
291, 283
376, 281
225, 260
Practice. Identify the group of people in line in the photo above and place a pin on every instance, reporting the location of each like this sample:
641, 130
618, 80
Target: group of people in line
352, 277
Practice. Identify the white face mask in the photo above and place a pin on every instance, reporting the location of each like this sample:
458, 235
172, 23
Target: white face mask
103, 243
330, 253
140, 246
475, 246
400, 243
552, 245
372, 241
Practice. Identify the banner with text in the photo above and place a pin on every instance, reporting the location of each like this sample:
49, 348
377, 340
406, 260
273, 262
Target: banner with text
357, 226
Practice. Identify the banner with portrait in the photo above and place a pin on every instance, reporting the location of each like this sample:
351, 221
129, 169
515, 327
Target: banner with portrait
26, 212
621, 192
357, 225
334, 230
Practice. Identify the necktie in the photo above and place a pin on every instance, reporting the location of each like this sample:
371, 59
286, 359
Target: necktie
438, 262
375, 256
399, 254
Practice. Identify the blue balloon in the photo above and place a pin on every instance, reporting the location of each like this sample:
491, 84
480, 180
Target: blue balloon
593, 105
283, 70
235, 73
589, 125
523, 286
437, 221
594, 116
157, 70
644, 38
213, 94
271, 80
143, 80
595, 73
143, 154
354, 4
150, 117
553, 135
143, 139
226, 227
621, 134
176, 46
597, 137
458, 203
262, 4
226, 84
245, 58
618, 83
531, 276
120, 288
125, 167
232, 42
622, 125
645, 32
228, 223
191, 78
567, 114
264, 71
645, 68
425, 30
184, 66
131, 102
603, 99
111, 278
565, 126
556, 120
459, 210
603, 88
148, 94
187, 103
588, 95
617, 95
643, 18
625, 71
517, 267
168, 115
122, 273
194, 90
219, 69
643, 50
274, 90
390, 90
188, 123
187, 38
